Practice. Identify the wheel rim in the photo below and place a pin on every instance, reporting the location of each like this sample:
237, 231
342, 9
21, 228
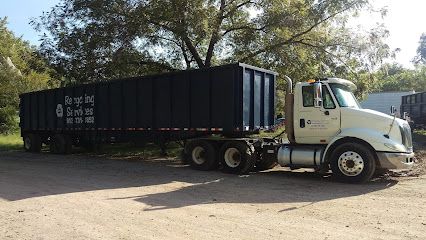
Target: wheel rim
232, 157
351, 163
27, 143
198, 155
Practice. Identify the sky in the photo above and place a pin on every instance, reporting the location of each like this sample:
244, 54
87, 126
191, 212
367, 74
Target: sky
19, 14
405, 19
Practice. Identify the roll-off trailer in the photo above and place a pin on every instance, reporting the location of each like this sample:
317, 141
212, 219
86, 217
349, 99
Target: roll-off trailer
413, 107
325, 126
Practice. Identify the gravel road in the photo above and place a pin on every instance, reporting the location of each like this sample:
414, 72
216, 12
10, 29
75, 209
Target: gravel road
45, 196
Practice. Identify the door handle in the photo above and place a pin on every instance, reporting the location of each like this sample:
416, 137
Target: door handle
327, 113
302, 123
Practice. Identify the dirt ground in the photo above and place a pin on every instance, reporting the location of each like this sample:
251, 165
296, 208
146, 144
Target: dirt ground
45, 196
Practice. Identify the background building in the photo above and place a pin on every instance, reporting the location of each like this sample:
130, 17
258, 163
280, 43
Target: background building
382, 101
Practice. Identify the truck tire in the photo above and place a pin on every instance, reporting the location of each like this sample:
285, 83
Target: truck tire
237, 157
32, 143
352, 163
60, 144
201, 155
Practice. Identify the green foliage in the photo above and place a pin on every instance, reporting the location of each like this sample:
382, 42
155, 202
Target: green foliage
394, 77
22, 69
10, 142
421, 51
102, 39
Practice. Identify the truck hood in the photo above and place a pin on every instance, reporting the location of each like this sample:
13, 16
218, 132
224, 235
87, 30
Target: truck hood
367, 118
376, 123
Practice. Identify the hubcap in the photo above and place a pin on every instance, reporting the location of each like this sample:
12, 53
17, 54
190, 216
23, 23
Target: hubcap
198, 155
351, 163
232, 157
27, 143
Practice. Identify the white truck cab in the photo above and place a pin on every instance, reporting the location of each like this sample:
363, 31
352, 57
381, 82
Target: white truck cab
327, 129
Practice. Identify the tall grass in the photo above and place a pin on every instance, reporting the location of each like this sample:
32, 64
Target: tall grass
10, 142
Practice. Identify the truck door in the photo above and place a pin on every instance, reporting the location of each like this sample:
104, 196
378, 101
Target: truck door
316, 125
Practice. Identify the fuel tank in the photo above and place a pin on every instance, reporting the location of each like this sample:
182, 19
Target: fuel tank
301, 155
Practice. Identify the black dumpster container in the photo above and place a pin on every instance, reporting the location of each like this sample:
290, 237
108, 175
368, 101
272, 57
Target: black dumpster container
228, 98
415, 106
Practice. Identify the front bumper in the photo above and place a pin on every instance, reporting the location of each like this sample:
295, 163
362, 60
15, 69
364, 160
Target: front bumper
391, 160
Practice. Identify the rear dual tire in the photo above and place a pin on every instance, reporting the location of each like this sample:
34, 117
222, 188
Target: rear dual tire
237, 157
201, 155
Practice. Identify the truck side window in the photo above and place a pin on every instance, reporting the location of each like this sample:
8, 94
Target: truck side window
308, 96
327, 100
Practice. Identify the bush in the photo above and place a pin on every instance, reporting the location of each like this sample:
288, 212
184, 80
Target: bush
8, 120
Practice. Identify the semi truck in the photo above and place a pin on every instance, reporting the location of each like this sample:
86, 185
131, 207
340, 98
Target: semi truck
215, 111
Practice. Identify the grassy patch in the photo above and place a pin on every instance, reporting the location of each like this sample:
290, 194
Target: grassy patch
420, 132
10, 142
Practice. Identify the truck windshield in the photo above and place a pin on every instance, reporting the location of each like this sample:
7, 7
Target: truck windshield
344, 96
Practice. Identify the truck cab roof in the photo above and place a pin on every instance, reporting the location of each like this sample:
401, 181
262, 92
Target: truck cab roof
352, 87
344, 82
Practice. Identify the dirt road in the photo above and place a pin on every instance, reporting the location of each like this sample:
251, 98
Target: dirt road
45, 196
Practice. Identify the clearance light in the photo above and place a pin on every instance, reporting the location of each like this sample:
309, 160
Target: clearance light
311, 81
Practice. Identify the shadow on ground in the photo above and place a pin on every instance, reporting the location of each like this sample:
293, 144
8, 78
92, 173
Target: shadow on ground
25, 175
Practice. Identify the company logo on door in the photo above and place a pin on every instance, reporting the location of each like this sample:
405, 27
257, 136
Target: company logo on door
317, 124
80, 109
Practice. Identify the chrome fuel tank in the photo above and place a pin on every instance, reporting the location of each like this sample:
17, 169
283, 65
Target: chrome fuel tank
300, 155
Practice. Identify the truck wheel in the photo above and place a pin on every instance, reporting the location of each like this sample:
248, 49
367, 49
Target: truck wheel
60, 144
32, 143
353, 163
201, 155
237, 157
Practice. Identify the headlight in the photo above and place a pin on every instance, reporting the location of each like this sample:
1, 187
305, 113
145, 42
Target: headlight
392, 146
395, 147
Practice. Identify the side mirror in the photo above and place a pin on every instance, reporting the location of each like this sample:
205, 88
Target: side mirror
317, 94
393, 110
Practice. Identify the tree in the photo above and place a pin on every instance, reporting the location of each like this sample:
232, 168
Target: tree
96, 40
421, 51
21, 69
393, 77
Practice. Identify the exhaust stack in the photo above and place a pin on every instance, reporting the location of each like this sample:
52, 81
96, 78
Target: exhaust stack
289, 110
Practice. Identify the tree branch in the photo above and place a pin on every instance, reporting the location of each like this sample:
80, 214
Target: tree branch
185, 39
193, 51
322, 48
215, 34
244, 27
230, 12
294, 37
156, 64
185, 56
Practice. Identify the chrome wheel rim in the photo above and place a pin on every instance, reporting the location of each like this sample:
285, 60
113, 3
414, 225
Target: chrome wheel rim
350, 163
198, 155
232, 157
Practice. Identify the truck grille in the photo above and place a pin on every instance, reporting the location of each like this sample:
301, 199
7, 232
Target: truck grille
406, 136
